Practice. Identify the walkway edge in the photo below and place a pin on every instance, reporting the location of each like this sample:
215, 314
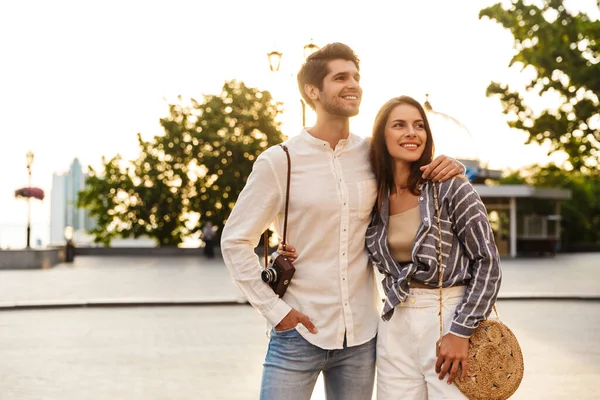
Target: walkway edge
106, 303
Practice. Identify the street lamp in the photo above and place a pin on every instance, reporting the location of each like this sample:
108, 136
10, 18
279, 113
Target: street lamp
29, 157
310, 48
70, 246
275, 62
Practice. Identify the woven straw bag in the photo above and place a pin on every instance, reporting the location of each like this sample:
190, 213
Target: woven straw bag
495, 363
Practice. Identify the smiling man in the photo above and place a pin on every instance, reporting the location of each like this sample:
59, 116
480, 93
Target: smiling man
327, 320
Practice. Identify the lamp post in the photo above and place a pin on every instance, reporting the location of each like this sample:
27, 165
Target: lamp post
29, 156
275, 62
69, 246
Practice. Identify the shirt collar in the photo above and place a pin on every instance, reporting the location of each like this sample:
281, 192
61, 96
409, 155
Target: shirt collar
322, 143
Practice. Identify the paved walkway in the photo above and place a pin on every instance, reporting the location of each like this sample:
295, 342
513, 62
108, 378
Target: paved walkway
181, 353
195, 280
216, 353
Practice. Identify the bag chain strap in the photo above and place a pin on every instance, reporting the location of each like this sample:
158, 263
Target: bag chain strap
287, 202
440, 255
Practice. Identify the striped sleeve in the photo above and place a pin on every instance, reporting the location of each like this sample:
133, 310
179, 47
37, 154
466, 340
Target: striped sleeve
473, 229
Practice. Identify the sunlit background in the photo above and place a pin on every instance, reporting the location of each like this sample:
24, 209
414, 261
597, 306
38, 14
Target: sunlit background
80, 79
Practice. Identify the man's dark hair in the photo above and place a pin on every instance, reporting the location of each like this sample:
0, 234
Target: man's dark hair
315, 68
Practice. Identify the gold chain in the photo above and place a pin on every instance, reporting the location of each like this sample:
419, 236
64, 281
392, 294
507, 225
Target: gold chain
440, 255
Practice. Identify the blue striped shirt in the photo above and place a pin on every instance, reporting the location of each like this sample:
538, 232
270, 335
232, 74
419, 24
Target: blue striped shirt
470, 256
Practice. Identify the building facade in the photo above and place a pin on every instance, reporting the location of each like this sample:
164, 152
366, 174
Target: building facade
63, 205
525, 219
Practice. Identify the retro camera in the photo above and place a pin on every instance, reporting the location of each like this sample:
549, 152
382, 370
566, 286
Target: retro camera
279, 273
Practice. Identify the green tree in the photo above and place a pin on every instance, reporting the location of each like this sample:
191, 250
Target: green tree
191, 174
564, 50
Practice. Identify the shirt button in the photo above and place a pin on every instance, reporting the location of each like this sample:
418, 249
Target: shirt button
344, 203
420, 198
425, 219
343, 254
413, 300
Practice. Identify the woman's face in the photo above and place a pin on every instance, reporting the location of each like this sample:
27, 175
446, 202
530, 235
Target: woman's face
405, 135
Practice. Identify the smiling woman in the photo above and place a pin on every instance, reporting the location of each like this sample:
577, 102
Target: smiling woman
409, 228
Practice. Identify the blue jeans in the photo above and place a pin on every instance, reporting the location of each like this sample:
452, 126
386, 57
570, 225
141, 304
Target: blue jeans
292, 366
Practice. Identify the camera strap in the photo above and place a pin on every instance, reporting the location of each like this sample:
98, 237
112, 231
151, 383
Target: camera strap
287, 202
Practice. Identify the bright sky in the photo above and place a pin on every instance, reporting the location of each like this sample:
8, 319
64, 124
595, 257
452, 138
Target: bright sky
80, 79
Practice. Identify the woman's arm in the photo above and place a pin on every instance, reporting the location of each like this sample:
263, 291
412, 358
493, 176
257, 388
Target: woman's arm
472, 226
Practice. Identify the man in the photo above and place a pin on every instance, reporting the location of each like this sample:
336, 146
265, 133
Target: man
327, 320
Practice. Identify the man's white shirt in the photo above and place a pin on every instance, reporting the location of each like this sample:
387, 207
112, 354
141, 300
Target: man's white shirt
332, 194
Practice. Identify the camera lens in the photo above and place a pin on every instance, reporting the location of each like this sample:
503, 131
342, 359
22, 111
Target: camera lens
269, 275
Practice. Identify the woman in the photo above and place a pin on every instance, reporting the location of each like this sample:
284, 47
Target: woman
403, 243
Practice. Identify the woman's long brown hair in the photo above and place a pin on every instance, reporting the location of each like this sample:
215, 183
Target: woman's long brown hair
383, 163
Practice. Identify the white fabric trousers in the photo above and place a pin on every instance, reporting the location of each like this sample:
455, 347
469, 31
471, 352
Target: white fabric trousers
406, 347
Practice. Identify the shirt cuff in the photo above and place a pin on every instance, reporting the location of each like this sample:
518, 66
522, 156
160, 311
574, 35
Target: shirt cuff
461, 330
277, 313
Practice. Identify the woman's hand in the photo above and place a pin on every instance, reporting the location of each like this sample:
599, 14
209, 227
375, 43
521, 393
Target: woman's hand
289, 252
452, 352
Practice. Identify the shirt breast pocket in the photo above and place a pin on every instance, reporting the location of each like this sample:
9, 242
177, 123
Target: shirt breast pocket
447, 239
367, 194
447, 230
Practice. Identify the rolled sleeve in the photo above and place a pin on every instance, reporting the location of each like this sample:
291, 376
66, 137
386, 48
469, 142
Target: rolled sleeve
460, 330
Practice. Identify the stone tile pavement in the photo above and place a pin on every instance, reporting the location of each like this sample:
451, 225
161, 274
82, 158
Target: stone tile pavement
216, 352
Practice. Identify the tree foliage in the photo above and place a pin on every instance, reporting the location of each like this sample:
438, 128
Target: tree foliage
581, 214
564, 50
191, 174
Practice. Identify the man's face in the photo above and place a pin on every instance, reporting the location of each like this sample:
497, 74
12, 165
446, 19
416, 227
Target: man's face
341, 94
